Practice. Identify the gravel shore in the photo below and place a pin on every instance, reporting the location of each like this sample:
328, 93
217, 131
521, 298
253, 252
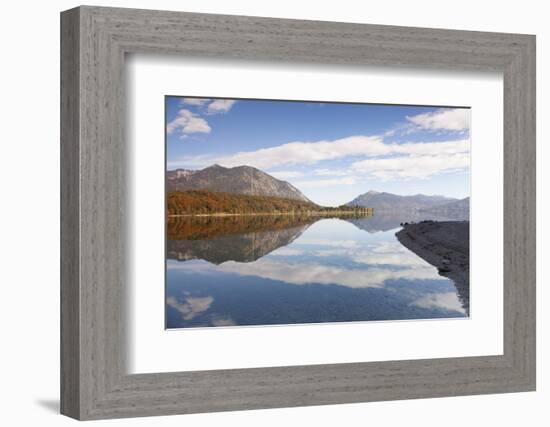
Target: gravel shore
445, 245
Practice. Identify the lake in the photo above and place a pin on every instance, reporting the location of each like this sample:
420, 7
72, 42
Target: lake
296, 269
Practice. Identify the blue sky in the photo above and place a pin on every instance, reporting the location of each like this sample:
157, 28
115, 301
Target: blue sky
332, 152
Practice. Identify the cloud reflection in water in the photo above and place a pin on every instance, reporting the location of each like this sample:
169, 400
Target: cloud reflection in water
331, 272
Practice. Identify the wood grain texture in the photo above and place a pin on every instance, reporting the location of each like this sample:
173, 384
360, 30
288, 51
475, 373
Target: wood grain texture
94, 271
70, 262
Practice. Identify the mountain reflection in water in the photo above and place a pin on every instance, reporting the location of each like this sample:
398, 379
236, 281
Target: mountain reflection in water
289, 269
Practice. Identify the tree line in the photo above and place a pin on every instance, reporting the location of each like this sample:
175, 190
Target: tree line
202, 202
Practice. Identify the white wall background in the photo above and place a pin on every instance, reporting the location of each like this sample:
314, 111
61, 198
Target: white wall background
29, 225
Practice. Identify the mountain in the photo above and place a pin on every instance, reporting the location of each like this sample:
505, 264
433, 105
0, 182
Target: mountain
238, 180
392, 220
393, 202
457, 208
241, 239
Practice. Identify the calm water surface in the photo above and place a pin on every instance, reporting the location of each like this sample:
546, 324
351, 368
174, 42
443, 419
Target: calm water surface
266, 270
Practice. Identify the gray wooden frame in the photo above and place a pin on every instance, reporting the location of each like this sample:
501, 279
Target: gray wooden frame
94, 41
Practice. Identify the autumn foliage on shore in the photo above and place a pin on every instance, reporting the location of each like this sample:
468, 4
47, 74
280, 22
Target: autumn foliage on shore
202, 202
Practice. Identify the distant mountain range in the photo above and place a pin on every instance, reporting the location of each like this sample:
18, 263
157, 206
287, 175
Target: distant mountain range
382, 201
249, 181
238, 180
457, 208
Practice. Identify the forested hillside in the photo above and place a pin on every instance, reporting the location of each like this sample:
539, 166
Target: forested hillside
203, 202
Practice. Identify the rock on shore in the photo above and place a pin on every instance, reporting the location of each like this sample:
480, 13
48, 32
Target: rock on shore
445, 245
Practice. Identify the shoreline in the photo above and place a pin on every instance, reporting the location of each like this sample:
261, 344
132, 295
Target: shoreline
312, 213
445, 245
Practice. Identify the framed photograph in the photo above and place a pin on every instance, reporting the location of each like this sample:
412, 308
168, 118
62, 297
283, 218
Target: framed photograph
266, 229
262, 213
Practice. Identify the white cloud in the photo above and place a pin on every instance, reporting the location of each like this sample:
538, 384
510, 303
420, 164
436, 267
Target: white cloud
448, 301
333, 243
330, 172
308, 153
191, 162
378, 263
220, 106
293, 153
320, 183
301, 274
413, 166
286, 251
371, 157
432, 148
457, 119
187, 122
224, 321
195, 101
286, 174
191, 307
380, 253
386, 253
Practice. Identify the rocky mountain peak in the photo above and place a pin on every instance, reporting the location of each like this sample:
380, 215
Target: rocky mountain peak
238, 180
